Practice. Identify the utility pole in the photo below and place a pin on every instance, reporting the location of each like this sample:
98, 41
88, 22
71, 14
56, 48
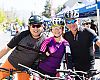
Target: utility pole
98, 16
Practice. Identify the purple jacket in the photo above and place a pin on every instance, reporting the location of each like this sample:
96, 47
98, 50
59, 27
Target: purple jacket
56, 51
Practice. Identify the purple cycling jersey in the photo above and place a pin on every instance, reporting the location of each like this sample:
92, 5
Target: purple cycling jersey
56, 51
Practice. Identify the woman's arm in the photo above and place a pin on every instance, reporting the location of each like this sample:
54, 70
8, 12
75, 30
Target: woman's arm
69, 61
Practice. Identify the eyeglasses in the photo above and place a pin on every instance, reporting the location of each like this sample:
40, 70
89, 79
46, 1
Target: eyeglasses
71, 21
37, 26
87, 23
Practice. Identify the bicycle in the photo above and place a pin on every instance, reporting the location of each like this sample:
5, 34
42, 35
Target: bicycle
84, 76
73, 74
68, 74
34, 73
11, 72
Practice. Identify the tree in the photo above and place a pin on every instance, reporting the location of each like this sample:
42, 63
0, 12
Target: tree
47, 12
2, 16
18, 21
59, 8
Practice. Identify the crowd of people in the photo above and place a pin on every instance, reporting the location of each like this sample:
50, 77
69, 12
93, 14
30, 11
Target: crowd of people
37, 51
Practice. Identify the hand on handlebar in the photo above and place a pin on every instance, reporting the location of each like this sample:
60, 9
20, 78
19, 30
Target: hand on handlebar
70, 70
91, 73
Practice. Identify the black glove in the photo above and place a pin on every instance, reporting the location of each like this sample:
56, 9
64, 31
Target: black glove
42, 56
91, 73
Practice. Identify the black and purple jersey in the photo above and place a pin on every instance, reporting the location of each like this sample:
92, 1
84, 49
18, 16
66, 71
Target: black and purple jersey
56, 51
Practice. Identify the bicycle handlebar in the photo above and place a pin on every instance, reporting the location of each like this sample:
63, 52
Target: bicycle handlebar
9, 70
3, 69
43, 75
94, 72
70, 71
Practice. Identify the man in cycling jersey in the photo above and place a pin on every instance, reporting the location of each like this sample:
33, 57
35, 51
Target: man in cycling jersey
26, 46
55, 47
81, 45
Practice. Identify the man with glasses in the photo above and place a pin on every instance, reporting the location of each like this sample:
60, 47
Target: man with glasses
87, 22
81, 45
26, 48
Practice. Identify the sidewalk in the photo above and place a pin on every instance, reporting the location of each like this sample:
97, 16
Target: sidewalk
1, 32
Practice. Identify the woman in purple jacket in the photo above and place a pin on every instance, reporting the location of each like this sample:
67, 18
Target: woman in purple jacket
55, 47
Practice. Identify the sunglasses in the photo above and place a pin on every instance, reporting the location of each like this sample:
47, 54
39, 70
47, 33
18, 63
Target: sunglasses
71, 21
37, 26
87, 23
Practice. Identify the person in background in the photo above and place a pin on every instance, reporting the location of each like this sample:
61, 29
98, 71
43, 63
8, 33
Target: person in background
87, 22
81, 45
94, 26
26, 46
55, 48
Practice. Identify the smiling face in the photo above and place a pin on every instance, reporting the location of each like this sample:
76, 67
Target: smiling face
36, 30
57, 31
71, 24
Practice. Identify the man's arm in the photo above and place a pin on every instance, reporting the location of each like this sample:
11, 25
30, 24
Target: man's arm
4, 51
98, 42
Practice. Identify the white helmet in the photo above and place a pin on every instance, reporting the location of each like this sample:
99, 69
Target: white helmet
57, 21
